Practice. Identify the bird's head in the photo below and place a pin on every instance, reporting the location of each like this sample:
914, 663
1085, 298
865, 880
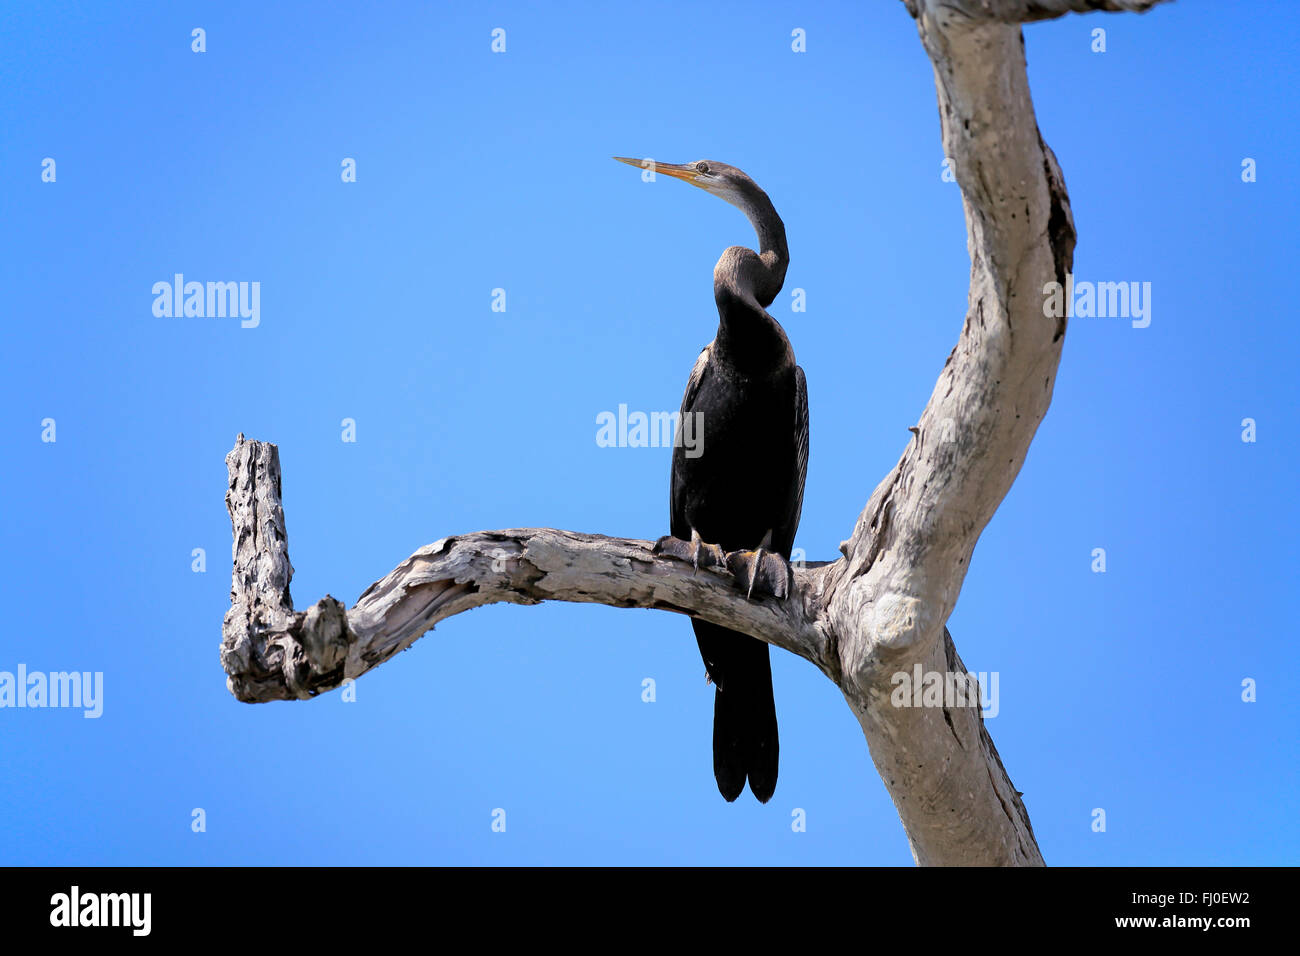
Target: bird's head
731, 184
725, 182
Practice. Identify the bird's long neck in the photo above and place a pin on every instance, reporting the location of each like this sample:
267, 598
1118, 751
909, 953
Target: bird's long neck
745, 283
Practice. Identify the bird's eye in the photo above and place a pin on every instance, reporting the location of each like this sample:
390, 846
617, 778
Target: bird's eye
701, 167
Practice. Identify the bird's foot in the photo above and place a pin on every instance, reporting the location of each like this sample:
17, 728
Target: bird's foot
695, 552
763, 571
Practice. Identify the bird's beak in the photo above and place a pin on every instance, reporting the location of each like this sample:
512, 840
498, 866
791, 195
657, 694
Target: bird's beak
686, 174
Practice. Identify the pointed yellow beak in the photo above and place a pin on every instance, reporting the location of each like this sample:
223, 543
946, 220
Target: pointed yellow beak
686, 174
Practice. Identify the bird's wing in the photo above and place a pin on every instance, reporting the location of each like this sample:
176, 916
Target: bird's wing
786, 532
680, 526
697, 376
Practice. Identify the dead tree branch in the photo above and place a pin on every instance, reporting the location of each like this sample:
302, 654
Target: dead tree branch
271, 652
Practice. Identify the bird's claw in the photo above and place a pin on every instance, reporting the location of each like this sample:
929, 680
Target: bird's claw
696, 553
763, 571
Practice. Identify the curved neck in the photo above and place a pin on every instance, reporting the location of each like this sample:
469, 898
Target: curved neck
745, 283
765, 277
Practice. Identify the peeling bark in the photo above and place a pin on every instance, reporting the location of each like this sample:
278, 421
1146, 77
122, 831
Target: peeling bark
271, 652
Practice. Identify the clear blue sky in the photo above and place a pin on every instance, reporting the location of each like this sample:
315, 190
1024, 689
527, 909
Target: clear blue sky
478, 171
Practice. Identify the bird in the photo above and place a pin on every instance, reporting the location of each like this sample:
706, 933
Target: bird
737, 500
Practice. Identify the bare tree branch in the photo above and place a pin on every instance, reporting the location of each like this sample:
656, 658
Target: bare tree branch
878, 612
271, 652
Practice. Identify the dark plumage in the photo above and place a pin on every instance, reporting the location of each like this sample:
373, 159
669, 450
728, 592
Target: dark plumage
745, 490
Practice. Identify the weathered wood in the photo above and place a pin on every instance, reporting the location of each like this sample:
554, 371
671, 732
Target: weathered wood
1024, 11
270, 652
878, 611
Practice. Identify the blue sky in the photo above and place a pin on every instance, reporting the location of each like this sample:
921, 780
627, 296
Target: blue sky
478, 170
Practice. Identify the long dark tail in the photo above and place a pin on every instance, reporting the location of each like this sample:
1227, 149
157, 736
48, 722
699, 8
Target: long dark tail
744, 711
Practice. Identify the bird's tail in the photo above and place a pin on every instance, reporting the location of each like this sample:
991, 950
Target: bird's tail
744, 712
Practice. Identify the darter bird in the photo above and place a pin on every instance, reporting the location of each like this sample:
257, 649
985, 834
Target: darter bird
743, 494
